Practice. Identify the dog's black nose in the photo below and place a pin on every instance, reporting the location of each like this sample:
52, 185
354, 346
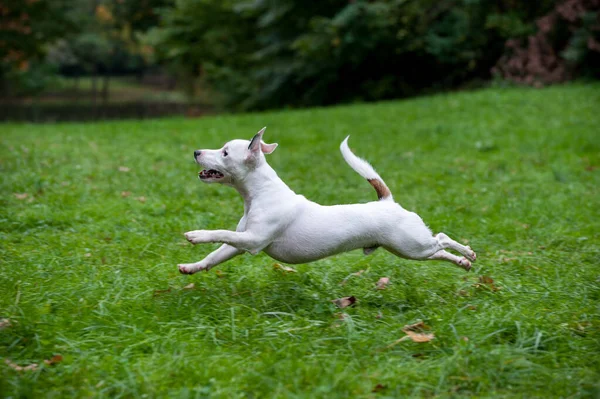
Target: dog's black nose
197, 153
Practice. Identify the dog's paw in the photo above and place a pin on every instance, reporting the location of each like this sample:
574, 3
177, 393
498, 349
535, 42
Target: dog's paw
471, 255
197, 236
464, 263
189, 268
186, 269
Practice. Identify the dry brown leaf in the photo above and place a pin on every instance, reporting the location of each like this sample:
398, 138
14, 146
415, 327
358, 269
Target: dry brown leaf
486, 281
53, 360
415, 333
344, 302
4, 323
125, 194
379, 388
419, 337
418, 326
124, 169
382, 283
14, 366
142, 199
287, 269
21, 196
190, 286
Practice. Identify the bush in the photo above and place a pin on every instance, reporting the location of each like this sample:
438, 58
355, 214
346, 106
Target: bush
566, 44
264, 54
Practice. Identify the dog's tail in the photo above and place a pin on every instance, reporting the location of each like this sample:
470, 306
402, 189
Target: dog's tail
364, 169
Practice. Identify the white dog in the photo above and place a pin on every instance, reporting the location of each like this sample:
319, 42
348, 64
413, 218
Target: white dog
292, 229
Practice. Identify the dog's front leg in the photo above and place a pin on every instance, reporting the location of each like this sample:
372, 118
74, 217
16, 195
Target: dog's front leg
244, 240
222, 254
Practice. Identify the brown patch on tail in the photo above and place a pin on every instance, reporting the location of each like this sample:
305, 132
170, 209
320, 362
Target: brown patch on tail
380, 187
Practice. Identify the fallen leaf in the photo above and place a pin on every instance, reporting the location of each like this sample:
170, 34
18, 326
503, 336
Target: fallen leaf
124, 169
87, 255
277, 266
414, 333
53, 360
379, 388
190, 286
21, 196
142, 199
418, 326
382, 283
419, 337
31, 367
4, 323
125, 194
486, 281
344, 302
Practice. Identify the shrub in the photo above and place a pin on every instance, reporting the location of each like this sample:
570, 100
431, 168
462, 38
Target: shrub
265, 54
566, 44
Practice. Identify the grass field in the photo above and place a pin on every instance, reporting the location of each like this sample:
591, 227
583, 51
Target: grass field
92, 217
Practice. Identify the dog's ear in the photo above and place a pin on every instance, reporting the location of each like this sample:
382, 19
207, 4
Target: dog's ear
267, 148
255, 143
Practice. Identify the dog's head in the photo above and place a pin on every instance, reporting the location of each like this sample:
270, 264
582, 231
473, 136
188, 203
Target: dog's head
234, 161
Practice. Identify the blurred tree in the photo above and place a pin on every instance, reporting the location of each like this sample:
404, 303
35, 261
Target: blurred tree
262, 53
80, 37
26, 28
566, 44
208, 35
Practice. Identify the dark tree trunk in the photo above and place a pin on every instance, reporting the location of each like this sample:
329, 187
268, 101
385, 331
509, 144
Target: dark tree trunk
105, 88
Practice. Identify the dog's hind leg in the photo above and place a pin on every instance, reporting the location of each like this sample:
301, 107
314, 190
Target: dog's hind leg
447, 242
443, 255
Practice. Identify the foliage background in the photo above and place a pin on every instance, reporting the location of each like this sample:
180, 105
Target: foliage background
261, 54
265, 54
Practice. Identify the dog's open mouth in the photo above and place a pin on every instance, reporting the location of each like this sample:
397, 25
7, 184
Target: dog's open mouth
210, 174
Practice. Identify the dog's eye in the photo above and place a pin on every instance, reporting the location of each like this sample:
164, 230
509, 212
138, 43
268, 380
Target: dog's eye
225, 153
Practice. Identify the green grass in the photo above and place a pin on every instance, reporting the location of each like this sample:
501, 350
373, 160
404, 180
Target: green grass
88, 267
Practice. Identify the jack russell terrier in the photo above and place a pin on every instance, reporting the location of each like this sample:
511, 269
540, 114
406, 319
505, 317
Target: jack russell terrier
292, 229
